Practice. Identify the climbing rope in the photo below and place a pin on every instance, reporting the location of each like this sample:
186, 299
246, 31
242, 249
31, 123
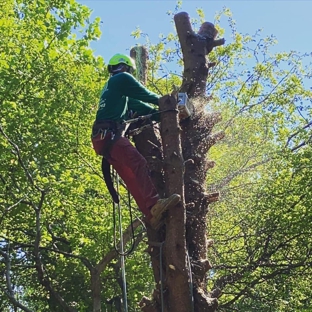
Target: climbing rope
191, 286
161, 277
124, 253
121, 250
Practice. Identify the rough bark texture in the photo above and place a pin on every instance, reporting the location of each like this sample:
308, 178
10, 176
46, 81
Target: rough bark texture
184, 236
196, 141
177, 273
140, 55
96, 290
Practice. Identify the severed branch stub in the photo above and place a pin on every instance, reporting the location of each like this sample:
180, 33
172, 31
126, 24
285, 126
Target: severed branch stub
195, 47
209, 33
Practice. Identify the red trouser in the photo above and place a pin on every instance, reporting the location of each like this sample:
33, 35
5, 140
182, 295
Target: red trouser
131, 166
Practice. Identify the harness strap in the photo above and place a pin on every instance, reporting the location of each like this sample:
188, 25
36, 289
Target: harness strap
116, 130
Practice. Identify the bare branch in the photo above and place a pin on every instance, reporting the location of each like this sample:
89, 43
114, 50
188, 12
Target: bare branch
263, 100
297, 132
225, 181
113, 254
42, 275
302, 144
9, 291
282, 270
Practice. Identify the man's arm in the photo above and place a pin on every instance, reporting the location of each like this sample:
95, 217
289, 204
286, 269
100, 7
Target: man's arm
141, 109
132, 88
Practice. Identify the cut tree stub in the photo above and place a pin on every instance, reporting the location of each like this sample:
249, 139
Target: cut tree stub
140, 55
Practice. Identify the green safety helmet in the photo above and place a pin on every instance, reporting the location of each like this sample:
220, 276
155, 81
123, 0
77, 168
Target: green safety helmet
121, 59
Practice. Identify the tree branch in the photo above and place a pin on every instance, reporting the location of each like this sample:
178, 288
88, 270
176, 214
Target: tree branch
9, 291
20, 160
113, 254
6, 210
42, 274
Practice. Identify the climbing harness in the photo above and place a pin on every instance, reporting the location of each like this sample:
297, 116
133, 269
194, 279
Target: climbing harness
116, 130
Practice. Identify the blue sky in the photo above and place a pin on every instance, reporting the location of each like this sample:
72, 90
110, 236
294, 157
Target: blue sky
289, 21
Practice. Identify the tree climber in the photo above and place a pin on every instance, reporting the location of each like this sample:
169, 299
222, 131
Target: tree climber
121, 93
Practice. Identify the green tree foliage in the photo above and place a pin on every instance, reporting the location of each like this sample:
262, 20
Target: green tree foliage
55, 217
262, 251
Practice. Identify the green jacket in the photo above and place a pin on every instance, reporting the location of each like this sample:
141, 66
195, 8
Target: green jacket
123, 93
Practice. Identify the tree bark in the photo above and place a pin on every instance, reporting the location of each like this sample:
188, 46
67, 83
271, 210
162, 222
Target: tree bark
177, 274
196, 141
140, 55
96, 289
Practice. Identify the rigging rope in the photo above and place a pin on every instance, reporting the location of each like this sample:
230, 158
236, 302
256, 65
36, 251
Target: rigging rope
161, 277
191, 281
121, 250
160, 245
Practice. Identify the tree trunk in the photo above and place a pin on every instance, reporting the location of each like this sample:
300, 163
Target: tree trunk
177, 273
196, 142
96, 290
181, 245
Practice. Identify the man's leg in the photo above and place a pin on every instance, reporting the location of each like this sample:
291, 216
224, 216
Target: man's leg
131, 166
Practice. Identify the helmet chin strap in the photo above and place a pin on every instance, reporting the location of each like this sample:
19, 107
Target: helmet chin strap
118, 69
121, 68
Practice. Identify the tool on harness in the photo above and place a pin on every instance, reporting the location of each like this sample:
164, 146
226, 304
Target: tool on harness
103, 128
